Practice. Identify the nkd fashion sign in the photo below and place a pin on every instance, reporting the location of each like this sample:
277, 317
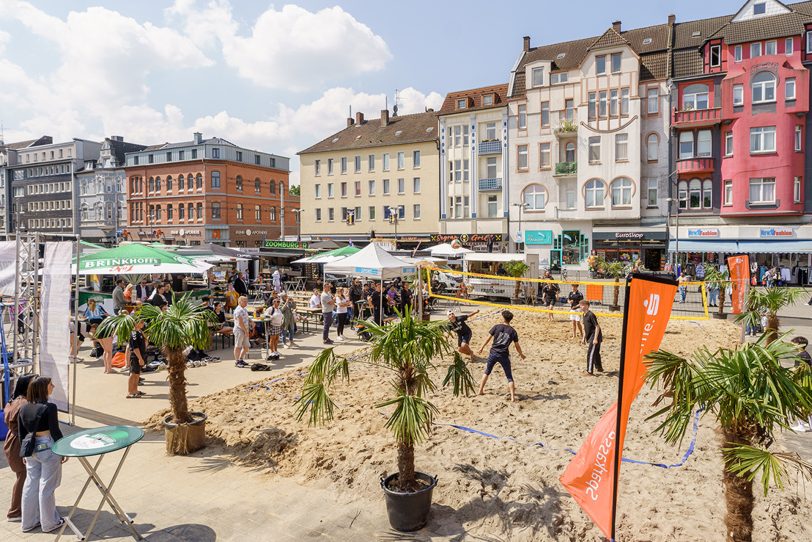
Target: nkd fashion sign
776, 233
702, 233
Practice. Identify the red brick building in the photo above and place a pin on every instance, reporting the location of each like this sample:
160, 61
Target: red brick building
208, 191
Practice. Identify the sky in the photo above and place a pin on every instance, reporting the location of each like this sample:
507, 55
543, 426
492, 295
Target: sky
274, 77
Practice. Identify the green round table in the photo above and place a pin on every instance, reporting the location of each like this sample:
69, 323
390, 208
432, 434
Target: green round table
98, 442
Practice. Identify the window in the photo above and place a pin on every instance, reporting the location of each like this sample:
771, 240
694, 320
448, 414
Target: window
487, 99
759, 8
771, 47
796, 190
798, 138
544, 155
707, 194
652, 192
317, 166
358, 164
371, 162
602, 103
789, 46
331, 214
715, 56
538, 76
755, 50
616, 62
190, 211
594, 192
789, 89
652, 101
272, 187
729, 143
569, 110
545, 114
704, 143
763, 87
371, 187
194, 154
215, 180
272, 214
462, 103
695, 97
613, 103
493, 206
652, 148
686, 145
728, 194
809, 41
257, 213
157, 184
556, 78
329, 166
737, 53
371, 212
168, 184
624, 101
401, 186
357, 189
762, 139
416, 211
594, 149
344, 164
621, 192
386, 187
521, 157
401, 160
621, 147
695, 194
591, 108
317, 191
738, 95
343, 188
239, 212
600, 64
415, 159
150, 158
386, 161
416, 185
569, 152
490, 132
257, 159
257, 186
534, 197
522, 120
762, 190
330, 193
215, 153
238, 183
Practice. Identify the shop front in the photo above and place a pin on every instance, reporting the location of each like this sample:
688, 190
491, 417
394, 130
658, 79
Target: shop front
248, 237
645, 245
478, 242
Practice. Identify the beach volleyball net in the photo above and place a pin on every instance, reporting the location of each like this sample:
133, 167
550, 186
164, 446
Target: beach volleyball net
605, 296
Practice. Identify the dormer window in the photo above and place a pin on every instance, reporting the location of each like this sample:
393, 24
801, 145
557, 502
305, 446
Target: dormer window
487, 99
696, 34
646, 41
462, 103
759, 8
715, 56
538, 76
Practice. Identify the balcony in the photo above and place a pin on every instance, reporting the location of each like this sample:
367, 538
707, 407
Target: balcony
691, 118
490, 185
490, 147
567, 129
565, 169
690, 166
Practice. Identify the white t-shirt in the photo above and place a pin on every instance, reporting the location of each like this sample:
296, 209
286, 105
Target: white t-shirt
339, 308
275, 315
241, 315
327, 302
315, 301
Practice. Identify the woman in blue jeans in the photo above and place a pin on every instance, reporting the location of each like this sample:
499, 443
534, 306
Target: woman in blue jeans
43, 467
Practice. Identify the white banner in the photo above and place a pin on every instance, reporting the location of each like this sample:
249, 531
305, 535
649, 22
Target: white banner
8, 267
54, 344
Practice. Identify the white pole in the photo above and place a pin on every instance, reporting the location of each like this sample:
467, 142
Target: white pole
76, 327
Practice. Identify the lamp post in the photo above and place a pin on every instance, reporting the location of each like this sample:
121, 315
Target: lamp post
521, 207
393, 218
670, 200
299, 224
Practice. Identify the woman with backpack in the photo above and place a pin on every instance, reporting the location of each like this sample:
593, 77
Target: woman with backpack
274, 313
39, 429
11, 446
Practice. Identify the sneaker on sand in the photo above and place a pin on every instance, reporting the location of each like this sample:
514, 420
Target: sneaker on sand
240, 364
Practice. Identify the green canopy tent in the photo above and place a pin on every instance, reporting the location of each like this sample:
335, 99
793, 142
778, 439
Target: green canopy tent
135, 260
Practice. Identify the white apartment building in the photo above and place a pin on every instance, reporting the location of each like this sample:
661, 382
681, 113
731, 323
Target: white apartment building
588, 131
474, 167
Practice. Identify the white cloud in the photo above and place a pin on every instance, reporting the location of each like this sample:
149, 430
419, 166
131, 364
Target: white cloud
5, 37
289, 48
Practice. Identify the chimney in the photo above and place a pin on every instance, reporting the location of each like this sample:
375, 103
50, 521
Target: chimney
526, 43
198, 138
672, 19
359, 118
384, 118
117, 138
350, 121
616, 25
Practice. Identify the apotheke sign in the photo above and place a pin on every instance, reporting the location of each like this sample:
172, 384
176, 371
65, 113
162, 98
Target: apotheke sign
777, 232
701, 233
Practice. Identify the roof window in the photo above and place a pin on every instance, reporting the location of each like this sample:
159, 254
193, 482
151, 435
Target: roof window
646, 41
559, 56
696, 34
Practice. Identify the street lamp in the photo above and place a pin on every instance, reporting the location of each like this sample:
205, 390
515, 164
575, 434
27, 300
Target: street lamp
521, 206
670, 200
393, 218
299, 224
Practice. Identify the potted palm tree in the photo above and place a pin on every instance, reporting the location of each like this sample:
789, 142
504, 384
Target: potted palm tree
768, 301
720, 280
751, 395
516, 269
615, 270
407, 350
184, 323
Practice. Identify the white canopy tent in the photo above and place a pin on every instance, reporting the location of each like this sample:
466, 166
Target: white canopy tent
445, 250
372, 262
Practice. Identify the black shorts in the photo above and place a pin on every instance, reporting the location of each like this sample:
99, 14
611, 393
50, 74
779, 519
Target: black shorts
464, 338
501, 359
135, 367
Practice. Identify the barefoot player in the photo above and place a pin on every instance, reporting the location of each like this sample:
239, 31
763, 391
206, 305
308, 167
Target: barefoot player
457, 324
502, 335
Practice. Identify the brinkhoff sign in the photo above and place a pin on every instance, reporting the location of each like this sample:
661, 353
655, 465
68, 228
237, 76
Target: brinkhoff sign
120, 262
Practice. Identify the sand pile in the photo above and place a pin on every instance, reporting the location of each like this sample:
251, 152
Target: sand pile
506, 489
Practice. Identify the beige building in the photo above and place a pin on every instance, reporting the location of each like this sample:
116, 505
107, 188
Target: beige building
352, 181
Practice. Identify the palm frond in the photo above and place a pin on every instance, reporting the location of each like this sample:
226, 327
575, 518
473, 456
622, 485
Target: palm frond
327, 367
748, 461
769, 300
317, 401
460, 377
411, 420
677, 376
119, 325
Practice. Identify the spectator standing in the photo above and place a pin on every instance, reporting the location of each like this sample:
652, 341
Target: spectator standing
289, 320
593, 337
328, 305
342, 312
242, 343
135, 353
118, 296
574, 298
11, 446
239, 285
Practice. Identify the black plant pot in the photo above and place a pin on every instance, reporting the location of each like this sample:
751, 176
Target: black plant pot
408, 511
720, 315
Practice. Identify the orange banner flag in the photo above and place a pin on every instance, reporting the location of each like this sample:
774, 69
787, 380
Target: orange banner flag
739, 268
591, 477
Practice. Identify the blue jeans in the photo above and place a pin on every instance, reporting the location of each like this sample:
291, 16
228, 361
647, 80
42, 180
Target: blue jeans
713, 296
328, 321
287, 333
43, 474
683, 291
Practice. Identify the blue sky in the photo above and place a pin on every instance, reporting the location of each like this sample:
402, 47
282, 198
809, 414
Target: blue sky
272, 76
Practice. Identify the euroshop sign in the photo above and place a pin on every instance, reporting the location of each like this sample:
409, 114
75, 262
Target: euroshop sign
703, 233
783, 232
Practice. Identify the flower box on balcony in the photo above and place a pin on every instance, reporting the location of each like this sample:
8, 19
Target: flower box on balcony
566, 168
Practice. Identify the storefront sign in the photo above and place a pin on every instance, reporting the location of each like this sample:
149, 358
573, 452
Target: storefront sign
629, 235
702, 233
284, 244
186, 233
251, 233
538, 237
776, 232
466, 238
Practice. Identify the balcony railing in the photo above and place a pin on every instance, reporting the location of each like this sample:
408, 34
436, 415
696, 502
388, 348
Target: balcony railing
486, 185
490, 147
567, 129
697, 117
566, 168
694, 165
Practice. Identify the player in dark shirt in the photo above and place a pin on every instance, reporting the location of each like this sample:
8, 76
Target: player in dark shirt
549, 294
502, 335
457, 325
593, 337
574, 299
136, 350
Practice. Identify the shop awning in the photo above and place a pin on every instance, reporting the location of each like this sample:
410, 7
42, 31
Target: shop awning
775, 247
703, 246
